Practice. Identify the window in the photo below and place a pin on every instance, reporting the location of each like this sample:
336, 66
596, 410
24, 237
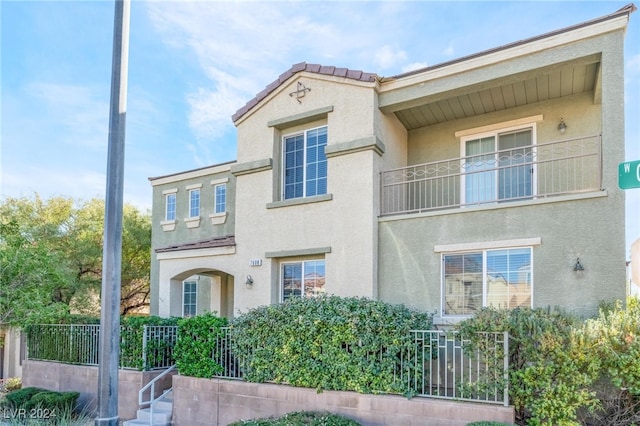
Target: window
220, 198
500, 278
194, 203
305, 164
189, 296
498, 166
302, 279
170, 211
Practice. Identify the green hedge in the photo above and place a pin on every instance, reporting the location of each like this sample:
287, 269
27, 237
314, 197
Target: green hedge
31, 398
131, 342
551, 365
327, 343
196, 345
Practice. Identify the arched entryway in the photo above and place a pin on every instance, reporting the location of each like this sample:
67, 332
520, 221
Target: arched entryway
197, 291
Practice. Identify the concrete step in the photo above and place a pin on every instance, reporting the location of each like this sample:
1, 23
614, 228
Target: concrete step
138, 422
159, 416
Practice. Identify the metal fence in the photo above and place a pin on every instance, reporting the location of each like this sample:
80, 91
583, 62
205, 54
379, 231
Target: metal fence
447, 365
437, 363
141, 348
522, 173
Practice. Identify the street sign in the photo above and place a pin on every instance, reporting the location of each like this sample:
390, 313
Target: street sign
629, 175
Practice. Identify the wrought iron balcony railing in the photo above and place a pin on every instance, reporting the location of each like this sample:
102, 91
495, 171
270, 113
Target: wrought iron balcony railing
522, 173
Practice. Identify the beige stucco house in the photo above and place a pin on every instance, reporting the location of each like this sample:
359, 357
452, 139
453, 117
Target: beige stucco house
487, 180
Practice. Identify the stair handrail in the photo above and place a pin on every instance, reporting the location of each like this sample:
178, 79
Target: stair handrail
152, 384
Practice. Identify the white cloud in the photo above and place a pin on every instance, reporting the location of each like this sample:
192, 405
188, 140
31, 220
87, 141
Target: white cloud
633, 65
387, 57
78, 110
414, 66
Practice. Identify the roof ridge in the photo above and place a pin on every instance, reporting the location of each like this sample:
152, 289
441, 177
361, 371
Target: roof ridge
304, 67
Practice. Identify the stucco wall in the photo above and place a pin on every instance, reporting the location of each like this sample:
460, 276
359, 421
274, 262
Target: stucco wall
411, 271
339, 227
212, 402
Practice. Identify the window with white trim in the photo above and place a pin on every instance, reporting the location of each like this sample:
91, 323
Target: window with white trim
302, 279
304, 164
194, 203
189, 298
170, 207
498, 165
220, 193
501, 278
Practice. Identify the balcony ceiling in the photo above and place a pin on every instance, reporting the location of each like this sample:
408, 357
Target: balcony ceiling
568, 80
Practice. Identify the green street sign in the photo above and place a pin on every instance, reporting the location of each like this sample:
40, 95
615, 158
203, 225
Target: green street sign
629, 175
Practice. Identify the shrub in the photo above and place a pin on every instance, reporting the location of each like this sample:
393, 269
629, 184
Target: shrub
615, 337
19, 398
327, 343
196, 344
550, 362
10, 384
301, 418
58, 402
131, 342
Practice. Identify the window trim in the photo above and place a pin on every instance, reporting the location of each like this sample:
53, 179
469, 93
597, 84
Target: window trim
193, 191
283, 168
301, 262
483, 251
167, 196
215, 198
495, 130
195, 293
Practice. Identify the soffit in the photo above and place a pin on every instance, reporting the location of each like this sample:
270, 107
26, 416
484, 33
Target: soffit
567, 80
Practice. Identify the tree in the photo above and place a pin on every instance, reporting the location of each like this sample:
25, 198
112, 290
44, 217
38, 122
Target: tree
68, 236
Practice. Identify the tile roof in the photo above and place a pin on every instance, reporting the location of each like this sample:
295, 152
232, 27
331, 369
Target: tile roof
228, 241
301, 67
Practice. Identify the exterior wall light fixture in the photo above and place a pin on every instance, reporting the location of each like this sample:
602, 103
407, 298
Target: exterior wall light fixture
578, 268
562, 127
249, 281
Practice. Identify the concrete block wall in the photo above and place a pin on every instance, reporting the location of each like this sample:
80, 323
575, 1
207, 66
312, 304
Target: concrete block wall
200, 402
84, 379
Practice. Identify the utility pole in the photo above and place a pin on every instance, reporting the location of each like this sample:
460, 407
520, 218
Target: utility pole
109, 352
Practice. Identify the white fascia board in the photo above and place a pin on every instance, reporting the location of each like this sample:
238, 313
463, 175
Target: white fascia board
207, 171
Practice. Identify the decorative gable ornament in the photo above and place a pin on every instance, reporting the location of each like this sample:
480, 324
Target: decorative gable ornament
300, 92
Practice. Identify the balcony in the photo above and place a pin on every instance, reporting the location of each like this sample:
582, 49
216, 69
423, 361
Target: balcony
523, 173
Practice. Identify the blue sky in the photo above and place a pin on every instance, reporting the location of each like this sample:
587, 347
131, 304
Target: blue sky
193, 64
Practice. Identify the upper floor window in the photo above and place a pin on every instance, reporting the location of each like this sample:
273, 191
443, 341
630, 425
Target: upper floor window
305, 164
498, 166
170, 209
500, 278
220, 198
194, 203
302, 279
189, 298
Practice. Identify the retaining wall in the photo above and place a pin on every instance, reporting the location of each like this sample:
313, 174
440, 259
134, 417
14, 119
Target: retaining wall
217, 402
84, 379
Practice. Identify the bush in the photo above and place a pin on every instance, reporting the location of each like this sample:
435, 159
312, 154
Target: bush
10, 384
58, 402
327, 343
301, 418
551, 365
615, 337
19, 398
131, 342
194, 350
